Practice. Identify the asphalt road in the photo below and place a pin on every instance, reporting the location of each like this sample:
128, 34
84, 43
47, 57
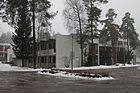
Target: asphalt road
127, 80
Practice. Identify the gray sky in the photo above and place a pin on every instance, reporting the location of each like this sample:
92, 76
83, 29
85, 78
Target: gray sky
120, 7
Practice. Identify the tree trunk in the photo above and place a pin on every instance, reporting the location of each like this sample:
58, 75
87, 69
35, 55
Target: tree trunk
127, 60
92, 43
82, 59
34, 36
92, 37
23, 62
113, 48
105, 52
81, 38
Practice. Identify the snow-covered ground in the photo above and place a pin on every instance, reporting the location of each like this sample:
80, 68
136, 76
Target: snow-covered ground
103, 67
73, 76
7, 67
138, 67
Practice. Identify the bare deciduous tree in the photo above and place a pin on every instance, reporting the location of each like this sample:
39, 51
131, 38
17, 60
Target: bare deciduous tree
75, 20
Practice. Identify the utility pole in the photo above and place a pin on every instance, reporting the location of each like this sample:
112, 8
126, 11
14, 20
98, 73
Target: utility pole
34, 37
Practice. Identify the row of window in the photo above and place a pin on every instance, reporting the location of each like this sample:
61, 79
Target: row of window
3, 56
122, 43
45, 46
4, 47
95, 46
47, 59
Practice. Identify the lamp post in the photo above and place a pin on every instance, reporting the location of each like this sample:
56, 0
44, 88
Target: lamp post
72, 54
98, 53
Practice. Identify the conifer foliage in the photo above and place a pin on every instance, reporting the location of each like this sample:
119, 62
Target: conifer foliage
21, 37
112, 31
128, 30
129, 33
19, 14
93, 15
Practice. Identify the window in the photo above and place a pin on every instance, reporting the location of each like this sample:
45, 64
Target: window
7, 47
50, 46
54, 46
125, 43
43, 46
49, 59
1, 47
42, 60
54, 59
95, 47
38, 59
45, 59
120, 43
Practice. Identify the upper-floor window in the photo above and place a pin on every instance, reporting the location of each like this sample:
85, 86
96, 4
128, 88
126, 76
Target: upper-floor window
93, 47
120, 43
52, 45
1, 47
43, 46
7, 47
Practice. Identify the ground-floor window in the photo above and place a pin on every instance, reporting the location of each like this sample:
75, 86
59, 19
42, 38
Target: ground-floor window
44, 59
52, 59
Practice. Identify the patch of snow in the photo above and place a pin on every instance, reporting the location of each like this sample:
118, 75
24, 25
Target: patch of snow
104, 78
130, 65
138, 67
7, 67
93, 67
103, 67
73, 76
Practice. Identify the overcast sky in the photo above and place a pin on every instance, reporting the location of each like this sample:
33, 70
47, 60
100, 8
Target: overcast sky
120, 7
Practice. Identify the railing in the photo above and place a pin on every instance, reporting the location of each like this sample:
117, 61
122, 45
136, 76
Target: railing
45, 52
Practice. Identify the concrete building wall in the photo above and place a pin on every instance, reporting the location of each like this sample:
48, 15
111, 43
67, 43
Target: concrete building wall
137, 54
64, 51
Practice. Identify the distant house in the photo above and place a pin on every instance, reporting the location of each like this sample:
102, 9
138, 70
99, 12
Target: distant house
6, 52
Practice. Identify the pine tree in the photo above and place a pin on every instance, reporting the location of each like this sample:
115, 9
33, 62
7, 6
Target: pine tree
129, 33
9, 11
104, 38
112, 30
93, 14
21, 37
128, 30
